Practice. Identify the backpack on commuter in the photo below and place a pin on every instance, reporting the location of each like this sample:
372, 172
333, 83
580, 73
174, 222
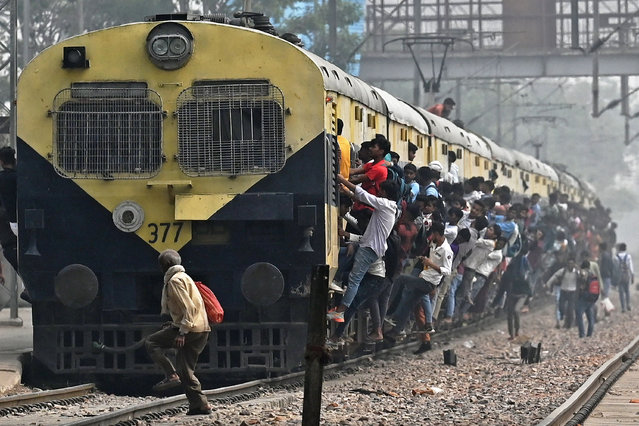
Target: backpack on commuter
591, 288
392, 256
624, 269
404, 189
616, 271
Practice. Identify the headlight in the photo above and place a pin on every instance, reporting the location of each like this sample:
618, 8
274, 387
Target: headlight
178, 46
169, 45
160, 46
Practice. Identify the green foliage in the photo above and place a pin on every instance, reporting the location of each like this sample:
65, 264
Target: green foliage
310, 22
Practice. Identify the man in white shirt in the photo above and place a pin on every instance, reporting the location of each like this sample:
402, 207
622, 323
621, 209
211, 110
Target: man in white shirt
372, 245
437, 265
565, 286
626, 276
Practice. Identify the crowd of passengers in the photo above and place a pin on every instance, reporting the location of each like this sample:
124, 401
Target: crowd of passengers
429, 244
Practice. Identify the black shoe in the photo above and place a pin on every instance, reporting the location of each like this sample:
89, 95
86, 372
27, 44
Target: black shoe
424, 347
199, 411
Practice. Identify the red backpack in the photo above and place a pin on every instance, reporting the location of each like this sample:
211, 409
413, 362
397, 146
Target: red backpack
214, 311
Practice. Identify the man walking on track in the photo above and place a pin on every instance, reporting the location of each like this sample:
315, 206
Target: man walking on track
188, 332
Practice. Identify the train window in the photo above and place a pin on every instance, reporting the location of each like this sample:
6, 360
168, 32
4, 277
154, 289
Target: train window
371, 120
510, 173
485, 164
107, 131
544, 181
527, 177
536, 179
358, 113
521, 175
459, 153
476, 161
231, 129
444, 149
420, 141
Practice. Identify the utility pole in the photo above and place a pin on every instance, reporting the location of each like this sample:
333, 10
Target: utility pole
332, 29
12, 278
595, 60
26, 31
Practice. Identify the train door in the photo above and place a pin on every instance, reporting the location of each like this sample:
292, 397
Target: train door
332, 168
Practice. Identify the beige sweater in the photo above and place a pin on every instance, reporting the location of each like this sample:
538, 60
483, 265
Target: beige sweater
182, 300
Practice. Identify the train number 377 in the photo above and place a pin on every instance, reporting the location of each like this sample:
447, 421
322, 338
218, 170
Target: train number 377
161, 231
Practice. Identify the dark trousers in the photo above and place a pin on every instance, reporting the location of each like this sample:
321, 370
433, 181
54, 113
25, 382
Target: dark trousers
567, 301
374, 291
185, 360
512, 313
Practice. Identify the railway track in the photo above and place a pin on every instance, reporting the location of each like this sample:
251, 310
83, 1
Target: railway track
62, 396
254, 389
579, 406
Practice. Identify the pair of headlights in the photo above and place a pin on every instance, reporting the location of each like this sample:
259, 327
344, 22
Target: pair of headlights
169, 45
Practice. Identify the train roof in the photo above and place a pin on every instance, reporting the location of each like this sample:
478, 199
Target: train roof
403, 112
444, 129
337, 80
500, 153
567, 179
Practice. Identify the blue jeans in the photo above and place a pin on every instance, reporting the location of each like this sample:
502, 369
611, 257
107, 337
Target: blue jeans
454, 285
583, 306
414, 289
345, 263
607, 282
428, 308
624, 295
364, 258
557, 291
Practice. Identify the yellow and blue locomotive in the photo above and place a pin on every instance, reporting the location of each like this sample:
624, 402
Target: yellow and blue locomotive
212, 139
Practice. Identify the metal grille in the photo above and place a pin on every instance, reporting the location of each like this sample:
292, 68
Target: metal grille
231, 129
107, 133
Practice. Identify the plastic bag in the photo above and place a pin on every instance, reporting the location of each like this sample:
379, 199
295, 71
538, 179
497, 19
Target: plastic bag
607, 305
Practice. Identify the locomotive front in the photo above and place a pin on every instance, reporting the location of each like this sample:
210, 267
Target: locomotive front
201, 137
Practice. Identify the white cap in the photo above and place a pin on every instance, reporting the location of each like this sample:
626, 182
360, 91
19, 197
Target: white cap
436, 166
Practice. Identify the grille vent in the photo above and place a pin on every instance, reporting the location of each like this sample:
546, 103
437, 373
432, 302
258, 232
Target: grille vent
107, 133
231, 129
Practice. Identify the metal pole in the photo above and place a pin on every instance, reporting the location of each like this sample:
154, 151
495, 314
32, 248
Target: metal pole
499, 141
26, 31
12, 278
595, 61
315, 350
332, 29
80, 16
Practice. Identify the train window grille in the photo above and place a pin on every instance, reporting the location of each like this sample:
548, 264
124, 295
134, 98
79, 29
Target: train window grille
231, 129
107, 133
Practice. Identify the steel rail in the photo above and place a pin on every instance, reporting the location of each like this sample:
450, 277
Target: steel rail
577, 408
45, 396
171, 405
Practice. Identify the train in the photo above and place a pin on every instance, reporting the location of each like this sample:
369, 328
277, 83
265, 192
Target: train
213, 137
